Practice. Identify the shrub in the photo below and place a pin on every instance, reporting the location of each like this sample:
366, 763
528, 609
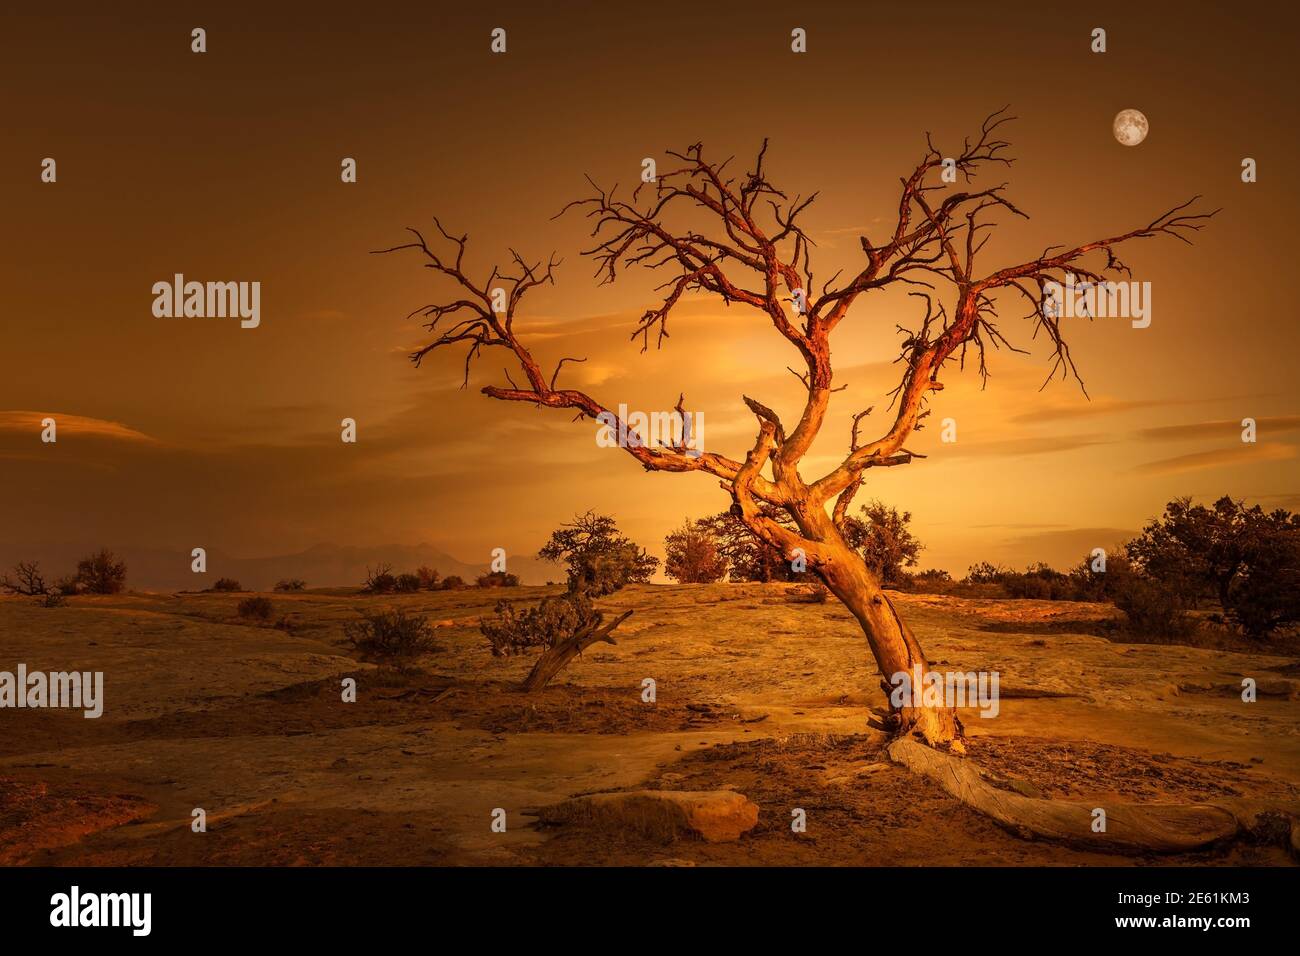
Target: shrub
102, 573
428, 577
53, 599
390, 635
930, 581
227, 584
66, 585
406, 583
554, 619
259, 608
380, 581
985, 573
291, 584
498, 579
1153, 607
451, 582
691, 555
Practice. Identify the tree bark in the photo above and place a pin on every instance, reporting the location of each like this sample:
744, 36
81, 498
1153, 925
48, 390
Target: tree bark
558, 656
894, 647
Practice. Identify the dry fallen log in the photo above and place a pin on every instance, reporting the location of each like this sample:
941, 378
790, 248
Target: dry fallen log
1165, 828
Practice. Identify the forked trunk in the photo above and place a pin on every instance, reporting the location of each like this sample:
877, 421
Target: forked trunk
895, 648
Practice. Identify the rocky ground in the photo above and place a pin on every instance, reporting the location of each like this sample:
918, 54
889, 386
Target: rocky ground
756, 694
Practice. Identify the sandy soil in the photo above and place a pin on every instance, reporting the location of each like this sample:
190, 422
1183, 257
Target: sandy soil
755, 693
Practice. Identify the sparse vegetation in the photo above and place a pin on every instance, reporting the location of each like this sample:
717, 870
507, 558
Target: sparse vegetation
600, 560
498, 579
257, 608
102, 573
25, 579
451, 582
692, 555
291, 584
380, 580
390, 636
428, 577
406, 583
227, 584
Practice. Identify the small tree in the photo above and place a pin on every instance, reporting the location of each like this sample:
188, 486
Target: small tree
599, 558
406, 583
883, 538
380, 581
749, 557
691, 555
428, 577
562, 625
26, 579
102, 573
1266, 597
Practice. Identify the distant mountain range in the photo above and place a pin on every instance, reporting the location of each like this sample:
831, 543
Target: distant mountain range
324, 565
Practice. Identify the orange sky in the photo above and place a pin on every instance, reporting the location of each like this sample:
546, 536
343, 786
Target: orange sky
225, 166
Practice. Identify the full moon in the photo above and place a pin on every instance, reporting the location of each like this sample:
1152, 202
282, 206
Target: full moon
1130, 127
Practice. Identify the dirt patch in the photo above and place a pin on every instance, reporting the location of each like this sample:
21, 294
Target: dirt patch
36, 816
1080, 768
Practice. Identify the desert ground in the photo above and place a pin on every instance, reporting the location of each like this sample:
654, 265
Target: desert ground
757, 693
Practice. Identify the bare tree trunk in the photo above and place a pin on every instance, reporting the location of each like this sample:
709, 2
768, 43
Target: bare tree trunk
558, 656
895, 648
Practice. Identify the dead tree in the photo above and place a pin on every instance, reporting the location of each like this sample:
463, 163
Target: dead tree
749, 250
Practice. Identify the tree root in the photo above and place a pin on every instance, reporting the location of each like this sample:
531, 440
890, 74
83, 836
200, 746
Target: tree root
1161, 828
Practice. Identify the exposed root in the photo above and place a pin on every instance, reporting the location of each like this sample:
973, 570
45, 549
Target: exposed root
1162, 828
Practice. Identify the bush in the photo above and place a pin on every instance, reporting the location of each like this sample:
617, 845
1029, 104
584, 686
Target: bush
498, 579
227, 584
555, 619
102, 573
407, 583
390, 635
452, 582
26, 579
985, 573
380, 581
53, 599
428, 577
291, 584
1152, 607
66, 585
691, 555
929, 581
259, 608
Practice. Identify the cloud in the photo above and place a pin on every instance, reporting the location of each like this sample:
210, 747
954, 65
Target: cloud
1245, 454
1222, 429
76, 425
